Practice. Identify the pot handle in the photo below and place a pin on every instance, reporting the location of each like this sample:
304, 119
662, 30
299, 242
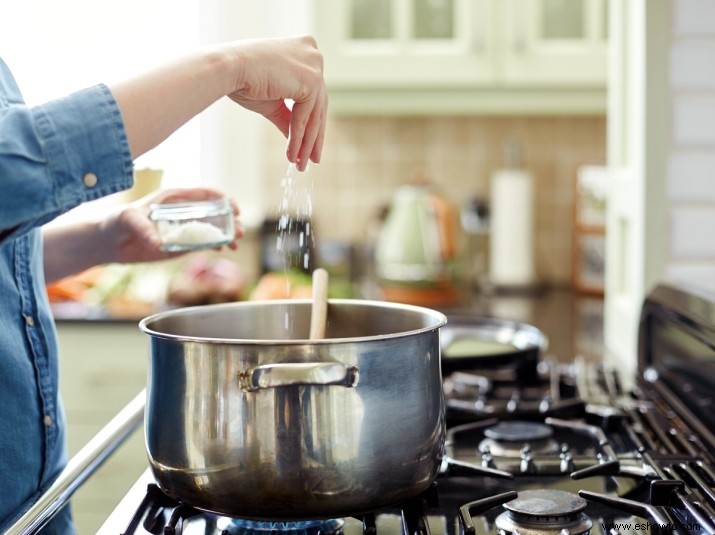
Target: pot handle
298, 374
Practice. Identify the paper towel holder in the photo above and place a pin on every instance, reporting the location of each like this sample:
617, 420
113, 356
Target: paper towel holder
512, 266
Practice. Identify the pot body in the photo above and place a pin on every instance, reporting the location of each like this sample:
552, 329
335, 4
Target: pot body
247, 417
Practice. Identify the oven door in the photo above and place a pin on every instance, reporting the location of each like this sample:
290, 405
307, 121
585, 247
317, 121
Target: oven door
676, 353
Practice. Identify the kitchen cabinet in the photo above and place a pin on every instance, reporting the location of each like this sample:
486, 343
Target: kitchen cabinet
555, 43
399, 43
479, 56
103, 366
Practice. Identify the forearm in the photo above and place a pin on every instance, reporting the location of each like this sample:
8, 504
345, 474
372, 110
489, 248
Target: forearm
158, 102
71, 248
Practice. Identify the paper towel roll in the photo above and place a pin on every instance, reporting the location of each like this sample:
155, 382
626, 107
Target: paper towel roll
511, 261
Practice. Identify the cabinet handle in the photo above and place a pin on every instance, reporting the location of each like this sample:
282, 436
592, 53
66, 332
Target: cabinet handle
478, 45
521, 27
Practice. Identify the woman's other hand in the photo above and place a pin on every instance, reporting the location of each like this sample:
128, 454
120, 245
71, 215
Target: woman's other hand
132, 237
124, 235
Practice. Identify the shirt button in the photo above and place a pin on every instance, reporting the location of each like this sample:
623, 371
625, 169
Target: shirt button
47, 420
90, 180
30, 321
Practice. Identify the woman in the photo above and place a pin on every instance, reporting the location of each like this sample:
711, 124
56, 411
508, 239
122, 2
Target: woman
59, 155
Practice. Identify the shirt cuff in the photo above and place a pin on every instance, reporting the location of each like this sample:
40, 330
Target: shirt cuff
85, 145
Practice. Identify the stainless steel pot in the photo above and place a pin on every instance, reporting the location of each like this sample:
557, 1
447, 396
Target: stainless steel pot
247, 417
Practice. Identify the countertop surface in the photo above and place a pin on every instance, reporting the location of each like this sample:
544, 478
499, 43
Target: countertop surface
573, 323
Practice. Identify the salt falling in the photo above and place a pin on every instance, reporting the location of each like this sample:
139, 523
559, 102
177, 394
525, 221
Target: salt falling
294, 215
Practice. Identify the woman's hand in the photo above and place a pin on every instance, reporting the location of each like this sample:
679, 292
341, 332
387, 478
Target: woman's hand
270, 72
130, 236
261, 75
125, 235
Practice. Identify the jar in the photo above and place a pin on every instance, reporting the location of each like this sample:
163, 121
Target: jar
185, 226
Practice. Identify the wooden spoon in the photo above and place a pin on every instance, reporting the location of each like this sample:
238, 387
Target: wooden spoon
319, 309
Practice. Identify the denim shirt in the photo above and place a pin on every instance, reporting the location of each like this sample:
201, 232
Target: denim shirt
53, 157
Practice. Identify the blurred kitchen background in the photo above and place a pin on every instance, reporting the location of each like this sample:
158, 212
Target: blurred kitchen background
439, 89
601, 110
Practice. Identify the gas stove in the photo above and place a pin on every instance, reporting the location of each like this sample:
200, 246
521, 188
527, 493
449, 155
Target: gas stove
533, 447
540, 448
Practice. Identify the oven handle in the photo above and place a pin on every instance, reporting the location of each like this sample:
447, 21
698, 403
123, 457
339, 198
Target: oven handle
84, 463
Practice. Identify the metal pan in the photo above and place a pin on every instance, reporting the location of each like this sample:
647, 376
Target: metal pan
483, 343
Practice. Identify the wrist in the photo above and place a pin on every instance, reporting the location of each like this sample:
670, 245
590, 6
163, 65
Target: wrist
72, 248
224, 65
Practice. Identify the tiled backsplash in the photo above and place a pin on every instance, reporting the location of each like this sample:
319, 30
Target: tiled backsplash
365, 159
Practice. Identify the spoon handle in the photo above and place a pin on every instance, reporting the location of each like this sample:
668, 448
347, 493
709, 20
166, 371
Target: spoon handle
319, 308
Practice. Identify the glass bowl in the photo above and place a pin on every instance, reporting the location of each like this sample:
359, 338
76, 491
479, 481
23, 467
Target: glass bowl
190, 225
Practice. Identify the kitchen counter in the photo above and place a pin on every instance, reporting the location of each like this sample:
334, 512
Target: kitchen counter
572, 322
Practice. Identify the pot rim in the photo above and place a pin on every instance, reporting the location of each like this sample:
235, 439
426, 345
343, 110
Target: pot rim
439, 320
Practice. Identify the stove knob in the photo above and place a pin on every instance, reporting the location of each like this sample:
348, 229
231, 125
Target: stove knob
487, 459
527, 465
545, 403
513, 403
566, 465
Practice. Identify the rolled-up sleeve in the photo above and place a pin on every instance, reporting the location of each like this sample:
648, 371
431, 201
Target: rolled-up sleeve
58, 155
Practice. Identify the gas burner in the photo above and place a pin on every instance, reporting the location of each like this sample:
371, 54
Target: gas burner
512, 438
544, 512
240, 526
